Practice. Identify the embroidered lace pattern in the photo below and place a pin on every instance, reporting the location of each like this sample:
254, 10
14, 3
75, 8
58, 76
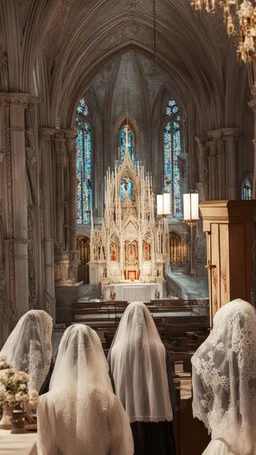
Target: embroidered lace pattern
29, 346
224, 377
84, 415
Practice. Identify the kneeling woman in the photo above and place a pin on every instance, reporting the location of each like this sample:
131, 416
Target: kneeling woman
80, 414
142, 377
224, 381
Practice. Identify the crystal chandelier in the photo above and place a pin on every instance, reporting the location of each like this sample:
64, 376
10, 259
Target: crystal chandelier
240, 19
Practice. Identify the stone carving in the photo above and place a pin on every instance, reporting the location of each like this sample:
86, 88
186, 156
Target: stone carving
134, 245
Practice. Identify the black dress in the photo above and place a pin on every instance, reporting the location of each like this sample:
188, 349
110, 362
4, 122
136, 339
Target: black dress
151, 438
45, 386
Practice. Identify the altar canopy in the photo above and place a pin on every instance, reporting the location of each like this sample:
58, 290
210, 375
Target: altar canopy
131, 245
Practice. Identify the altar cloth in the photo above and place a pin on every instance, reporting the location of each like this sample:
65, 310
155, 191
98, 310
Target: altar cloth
132, 292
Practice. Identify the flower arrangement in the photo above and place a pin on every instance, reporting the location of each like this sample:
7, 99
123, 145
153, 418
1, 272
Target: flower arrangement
14, 388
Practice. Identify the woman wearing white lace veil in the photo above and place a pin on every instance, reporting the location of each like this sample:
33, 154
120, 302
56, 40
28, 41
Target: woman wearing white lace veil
81, 415
29, 346
142, 377
224, 381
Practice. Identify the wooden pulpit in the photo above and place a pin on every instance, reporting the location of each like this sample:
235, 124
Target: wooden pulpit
229, 231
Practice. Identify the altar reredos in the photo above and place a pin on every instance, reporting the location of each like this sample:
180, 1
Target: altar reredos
131, 245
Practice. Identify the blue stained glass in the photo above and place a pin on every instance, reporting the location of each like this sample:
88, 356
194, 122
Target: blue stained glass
84, 171
246, 190
172, 107
172, 149
122, 143
126, 189
79, 175
82, 107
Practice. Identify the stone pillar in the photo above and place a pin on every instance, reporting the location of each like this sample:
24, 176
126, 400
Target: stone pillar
203, 172
231, 135
221, 190
61, 162
17, 229
73, 253
46, 218
212, 165
229, 231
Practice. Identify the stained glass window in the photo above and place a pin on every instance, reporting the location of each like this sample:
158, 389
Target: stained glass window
83, 164
122, 142
172, 149
246, 190
82, 107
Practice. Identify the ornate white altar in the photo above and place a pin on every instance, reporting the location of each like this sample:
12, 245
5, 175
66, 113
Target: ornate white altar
131, 245
134, 291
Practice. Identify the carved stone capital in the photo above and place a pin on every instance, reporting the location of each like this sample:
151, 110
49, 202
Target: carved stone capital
14, 99
46, 133
33, 101
215, 134
201, 142
231, 133
71, 144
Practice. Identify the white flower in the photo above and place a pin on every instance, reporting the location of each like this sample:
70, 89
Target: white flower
22, 387
33, 399
21, 376
21, 397
33, 394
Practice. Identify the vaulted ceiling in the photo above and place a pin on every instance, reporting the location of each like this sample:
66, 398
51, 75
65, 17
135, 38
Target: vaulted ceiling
54, 48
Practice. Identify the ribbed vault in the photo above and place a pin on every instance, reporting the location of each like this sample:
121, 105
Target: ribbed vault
62, 44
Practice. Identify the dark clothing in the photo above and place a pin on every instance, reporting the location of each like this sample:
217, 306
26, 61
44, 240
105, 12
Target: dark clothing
151, 438
45, 386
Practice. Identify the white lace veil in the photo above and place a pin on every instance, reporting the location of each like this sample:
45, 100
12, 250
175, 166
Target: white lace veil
224, 377
29, 346
81, 356
80, 399
138, 364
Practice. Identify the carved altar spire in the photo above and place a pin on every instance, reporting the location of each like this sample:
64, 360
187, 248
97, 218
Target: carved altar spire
130, 245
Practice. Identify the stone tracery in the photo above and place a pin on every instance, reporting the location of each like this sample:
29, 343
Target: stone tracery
130, 246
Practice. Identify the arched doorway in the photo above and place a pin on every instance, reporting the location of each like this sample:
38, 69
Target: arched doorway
178, 249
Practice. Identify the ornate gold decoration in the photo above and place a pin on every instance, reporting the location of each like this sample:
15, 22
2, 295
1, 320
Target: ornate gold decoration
240, 19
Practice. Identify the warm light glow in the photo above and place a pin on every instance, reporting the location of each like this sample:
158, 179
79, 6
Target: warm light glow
163, 204
240, 20
190, 207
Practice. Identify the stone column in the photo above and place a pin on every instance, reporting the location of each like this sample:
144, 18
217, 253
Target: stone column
61, 253
17, 230
231, 135
61, 162
46, 218
73, 253
221, 190
203, 171
212, 169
